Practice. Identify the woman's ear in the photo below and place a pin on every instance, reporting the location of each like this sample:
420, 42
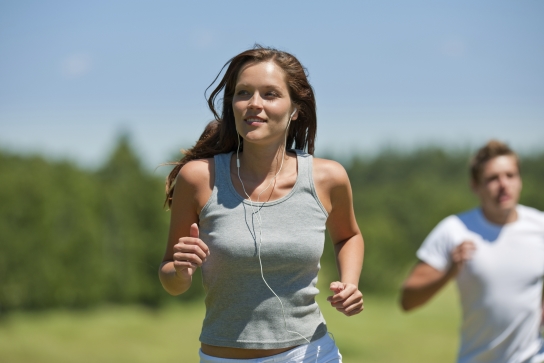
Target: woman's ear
294, 114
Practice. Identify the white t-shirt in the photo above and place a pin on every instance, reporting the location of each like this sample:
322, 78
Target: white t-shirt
500, 287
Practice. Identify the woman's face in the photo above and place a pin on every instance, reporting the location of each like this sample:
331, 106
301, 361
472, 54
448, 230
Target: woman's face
262, 104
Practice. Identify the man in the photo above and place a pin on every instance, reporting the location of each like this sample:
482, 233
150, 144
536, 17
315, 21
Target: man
496, 254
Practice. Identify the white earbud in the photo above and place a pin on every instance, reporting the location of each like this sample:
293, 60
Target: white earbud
294, 112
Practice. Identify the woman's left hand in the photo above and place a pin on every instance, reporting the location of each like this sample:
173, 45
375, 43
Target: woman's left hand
347, 298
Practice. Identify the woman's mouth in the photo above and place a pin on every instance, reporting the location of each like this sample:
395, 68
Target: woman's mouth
251, 120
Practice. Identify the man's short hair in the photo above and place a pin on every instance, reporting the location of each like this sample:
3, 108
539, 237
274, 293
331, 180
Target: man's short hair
492, 149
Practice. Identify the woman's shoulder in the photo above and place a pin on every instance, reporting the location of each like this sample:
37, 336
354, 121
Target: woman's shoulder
331, 181
330, 172
194, 182
196, 172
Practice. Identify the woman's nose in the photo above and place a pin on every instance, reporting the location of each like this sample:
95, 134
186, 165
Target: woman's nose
255, 101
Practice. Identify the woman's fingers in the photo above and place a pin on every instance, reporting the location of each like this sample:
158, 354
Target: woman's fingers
336, 287
351, 309
190, 258
347, 298
189, 245
190, 252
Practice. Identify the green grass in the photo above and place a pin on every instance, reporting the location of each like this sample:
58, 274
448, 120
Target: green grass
382, 333
129, 334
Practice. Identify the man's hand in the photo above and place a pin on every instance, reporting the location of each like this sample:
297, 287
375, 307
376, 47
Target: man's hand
460, 255
425, 281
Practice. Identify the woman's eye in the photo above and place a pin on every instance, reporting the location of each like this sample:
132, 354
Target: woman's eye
242, 92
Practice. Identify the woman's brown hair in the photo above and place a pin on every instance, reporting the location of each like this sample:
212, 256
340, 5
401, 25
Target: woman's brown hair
220, 135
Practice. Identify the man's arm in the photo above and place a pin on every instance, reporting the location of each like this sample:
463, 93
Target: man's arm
542, 320
425, 281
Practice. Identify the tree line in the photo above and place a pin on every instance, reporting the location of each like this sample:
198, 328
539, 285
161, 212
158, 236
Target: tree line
75, 238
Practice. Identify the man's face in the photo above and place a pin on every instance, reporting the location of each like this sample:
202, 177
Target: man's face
499, 185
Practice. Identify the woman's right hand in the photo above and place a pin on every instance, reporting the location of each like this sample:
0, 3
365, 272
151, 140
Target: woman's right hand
189, 253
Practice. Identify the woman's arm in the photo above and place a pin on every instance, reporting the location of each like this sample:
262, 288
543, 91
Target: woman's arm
185, 251
334, 191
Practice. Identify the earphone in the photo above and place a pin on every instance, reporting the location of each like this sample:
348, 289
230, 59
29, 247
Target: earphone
290, 117
259, 218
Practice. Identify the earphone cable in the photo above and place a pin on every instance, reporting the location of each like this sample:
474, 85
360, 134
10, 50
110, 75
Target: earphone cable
259, 219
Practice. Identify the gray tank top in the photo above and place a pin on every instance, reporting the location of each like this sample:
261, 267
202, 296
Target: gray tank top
241, 311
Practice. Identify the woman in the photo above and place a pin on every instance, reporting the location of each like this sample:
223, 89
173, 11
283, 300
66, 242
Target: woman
252, 213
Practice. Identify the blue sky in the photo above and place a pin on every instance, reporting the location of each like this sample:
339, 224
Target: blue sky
73, 75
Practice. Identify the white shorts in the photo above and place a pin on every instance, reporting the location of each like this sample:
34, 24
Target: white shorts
323, 350
538, 357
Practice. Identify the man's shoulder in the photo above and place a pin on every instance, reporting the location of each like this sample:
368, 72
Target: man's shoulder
529, 211
471, 213
456, 227
456, 221
530, 214
438, 244
449, 229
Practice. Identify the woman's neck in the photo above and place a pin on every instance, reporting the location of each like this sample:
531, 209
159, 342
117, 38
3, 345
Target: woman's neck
258, 163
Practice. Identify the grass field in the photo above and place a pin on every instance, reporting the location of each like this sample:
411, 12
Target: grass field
130, 334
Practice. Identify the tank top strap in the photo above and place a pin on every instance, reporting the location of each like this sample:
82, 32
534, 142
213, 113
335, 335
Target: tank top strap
302, 164
222, 170
305, 179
